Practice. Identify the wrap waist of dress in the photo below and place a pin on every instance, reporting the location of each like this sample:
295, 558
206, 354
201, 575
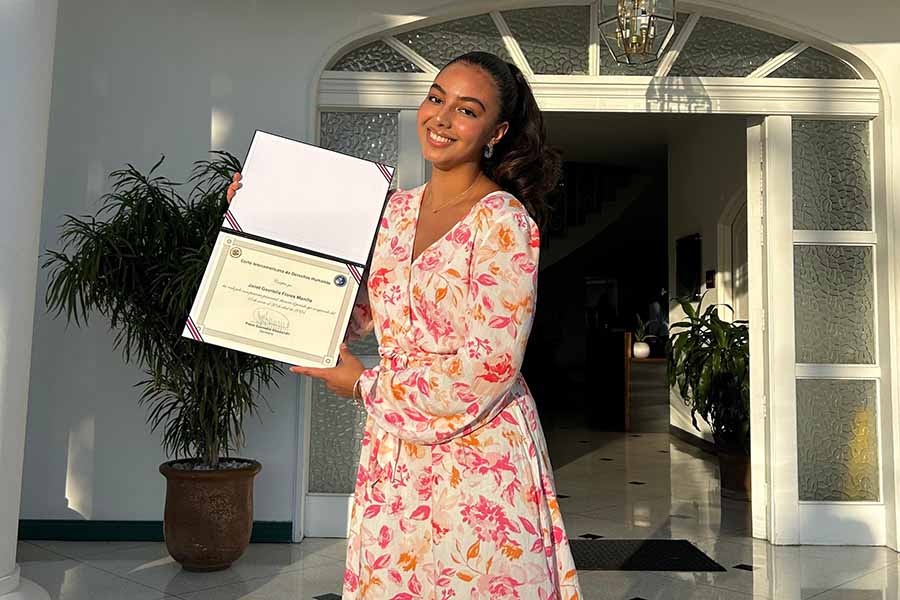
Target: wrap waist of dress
385, 443
394, 357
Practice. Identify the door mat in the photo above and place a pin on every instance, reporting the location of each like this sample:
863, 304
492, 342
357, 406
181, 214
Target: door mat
640, 555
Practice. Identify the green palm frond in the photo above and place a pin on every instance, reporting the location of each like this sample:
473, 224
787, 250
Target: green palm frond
137, 263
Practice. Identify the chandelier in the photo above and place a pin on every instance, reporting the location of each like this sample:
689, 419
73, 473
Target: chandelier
636, 31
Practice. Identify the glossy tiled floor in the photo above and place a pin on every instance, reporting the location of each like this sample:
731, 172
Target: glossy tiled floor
618, 486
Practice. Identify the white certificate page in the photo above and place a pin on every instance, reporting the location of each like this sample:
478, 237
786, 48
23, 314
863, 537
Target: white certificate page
290, 257
274, 302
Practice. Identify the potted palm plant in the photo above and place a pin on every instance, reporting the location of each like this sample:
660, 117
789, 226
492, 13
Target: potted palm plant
137, 263
709, 363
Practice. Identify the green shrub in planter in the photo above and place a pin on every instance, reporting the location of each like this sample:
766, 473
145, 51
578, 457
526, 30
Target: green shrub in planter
709, 363
137, 263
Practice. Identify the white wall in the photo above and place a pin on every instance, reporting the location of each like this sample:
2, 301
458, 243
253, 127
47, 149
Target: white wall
134, 79
707, 168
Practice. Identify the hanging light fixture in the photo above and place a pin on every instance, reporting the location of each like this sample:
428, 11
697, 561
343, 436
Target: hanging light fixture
636, 31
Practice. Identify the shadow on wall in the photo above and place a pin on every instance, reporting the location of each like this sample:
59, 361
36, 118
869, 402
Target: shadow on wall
677, 95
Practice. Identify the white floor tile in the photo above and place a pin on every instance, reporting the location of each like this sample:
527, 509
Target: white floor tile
151, 565
293, 585
679, 499
28, 552
72, 580
785, 571
882, 584
621, 585
82, 550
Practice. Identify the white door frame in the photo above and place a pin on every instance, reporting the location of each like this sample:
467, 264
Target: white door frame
757, 294
794, 521
779, 99
724, 248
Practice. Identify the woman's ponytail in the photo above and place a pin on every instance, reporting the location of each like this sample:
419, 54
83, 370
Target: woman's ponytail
521, 163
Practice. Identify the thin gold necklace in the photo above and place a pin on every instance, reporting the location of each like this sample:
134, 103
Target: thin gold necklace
453, 201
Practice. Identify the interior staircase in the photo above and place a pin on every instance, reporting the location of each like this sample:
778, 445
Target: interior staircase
589, 199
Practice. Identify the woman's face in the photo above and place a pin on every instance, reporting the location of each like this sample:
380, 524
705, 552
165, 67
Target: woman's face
459, 116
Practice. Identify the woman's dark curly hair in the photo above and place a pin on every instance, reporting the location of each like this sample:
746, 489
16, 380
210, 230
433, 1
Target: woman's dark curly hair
521, 164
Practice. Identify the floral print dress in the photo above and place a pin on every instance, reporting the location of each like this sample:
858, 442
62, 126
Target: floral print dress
454, 495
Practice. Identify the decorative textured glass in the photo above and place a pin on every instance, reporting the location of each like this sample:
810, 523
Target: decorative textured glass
442, 42
721, 49
837, 440
815, 64
369, 135
834, 304
832, 183
555, 39
336, 430
336, 425
376, 56
609, 66
368, 346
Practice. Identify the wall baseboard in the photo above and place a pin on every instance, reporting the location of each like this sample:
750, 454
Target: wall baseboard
693, 440
131, 531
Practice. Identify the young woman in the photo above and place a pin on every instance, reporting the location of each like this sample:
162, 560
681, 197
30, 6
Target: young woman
455, 495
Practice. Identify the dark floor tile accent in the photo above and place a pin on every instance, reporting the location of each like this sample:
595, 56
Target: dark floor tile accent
743, 567
607, 459
590, 536
681, 517
637, 482
561, 496
638, 598
635, 435
584, 441
327, 597
663, 451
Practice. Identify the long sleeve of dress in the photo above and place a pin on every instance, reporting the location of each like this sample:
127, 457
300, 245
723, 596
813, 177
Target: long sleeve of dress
449, 395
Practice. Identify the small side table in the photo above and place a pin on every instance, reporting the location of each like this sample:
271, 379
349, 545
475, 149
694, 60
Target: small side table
629, 358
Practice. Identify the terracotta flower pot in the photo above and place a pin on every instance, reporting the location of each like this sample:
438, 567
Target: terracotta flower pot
209, 514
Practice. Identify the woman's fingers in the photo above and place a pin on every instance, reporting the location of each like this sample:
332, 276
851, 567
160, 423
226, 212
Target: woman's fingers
313, 371
233, 187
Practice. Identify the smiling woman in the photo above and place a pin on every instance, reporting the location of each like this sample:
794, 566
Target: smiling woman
454, 492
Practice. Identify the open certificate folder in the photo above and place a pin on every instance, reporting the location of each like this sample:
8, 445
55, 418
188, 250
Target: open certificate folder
289, 258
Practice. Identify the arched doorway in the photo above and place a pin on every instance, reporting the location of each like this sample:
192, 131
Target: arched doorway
809, 123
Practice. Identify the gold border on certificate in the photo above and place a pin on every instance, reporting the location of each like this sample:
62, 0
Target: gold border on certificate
228, 246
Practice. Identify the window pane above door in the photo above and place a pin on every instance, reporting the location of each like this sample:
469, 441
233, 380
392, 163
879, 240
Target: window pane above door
554, 39
375, 57
442, 42
815, 64
719, 48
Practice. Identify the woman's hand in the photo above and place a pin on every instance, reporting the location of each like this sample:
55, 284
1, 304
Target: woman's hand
233, 187
340, 379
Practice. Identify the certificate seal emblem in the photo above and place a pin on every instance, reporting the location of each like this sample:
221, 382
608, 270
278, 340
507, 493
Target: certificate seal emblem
340, 280
235, 252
